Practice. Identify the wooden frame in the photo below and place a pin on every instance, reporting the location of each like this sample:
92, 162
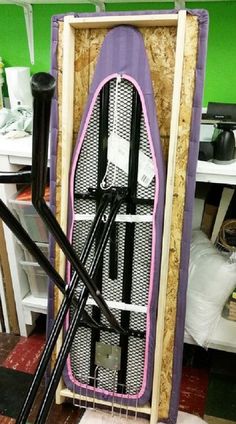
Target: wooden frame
70, 25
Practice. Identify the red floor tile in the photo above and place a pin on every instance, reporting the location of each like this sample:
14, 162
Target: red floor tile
7, 344
193, 392
24, 357
6, 420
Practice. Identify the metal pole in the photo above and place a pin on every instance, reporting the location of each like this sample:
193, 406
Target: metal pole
42, 90
61, 359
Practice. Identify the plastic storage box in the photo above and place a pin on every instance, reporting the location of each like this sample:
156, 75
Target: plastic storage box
44, 247
28, 217
38, 280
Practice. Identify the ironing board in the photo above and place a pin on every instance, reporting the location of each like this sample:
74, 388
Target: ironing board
118, 148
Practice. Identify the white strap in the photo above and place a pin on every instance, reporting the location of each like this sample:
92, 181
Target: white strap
121, 306
119, 217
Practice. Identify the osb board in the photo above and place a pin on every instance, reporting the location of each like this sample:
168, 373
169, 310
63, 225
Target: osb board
160, 46
187, 94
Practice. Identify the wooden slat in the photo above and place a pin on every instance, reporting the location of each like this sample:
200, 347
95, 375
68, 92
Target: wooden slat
168, 214
66, 147
225, 200
135, 20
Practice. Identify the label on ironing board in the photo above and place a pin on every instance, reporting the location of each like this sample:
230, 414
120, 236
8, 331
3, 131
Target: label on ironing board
118, 154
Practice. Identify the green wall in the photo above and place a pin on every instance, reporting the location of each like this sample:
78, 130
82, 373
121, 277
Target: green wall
220, 84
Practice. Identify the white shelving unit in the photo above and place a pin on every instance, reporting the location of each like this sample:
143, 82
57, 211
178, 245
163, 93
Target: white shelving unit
14, 153
209, 172
223, 338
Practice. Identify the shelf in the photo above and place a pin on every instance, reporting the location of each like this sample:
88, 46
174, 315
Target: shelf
33, 304
223, 338
18, 150
209, 172
36, 304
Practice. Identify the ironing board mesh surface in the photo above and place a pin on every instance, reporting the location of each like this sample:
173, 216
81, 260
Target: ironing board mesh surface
85, 177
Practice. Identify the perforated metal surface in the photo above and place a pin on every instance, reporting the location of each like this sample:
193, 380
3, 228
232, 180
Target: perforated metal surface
85, 177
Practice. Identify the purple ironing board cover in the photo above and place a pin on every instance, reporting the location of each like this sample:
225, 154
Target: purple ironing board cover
190, 184
123, 53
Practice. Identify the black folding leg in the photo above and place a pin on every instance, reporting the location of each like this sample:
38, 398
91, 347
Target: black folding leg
62, 356
42, 88
129, 232
101, 170
59, 321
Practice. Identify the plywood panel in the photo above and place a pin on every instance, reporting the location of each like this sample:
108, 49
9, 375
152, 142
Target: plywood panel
188, 86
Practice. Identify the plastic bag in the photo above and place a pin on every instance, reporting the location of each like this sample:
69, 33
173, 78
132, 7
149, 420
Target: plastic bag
212, 278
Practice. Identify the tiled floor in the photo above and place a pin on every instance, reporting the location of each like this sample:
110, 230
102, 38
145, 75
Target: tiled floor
208, 385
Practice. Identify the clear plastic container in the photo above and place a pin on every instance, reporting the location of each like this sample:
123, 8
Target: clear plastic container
38, 280
28, 217
44, 247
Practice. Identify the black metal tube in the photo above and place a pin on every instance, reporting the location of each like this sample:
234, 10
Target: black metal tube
63, 242
42, 93
20, 177
13, 224
58, 323
62, 356
2, 322
101, 170
130, 227
102, 327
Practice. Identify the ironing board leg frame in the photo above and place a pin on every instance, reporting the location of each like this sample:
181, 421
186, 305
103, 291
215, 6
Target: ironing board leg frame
57, 326
41, 120
20, 177
13, 224
42, 88
61, 359
179, 59
102, 160
130, 228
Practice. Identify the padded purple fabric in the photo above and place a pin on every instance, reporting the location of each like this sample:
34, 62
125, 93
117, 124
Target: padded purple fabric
190, 185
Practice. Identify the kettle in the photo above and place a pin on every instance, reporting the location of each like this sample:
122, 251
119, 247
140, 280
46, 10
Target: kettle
224, 144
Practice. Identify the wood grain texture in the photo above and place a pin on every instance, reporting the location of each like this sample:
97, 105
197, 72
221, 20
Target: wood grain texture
188, 86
